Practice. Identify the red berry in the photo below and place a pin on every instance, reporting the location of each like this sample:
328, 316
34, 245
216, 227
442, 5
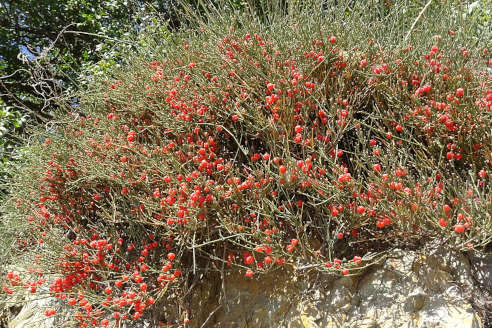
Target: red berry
50, 312
249, 260
459, 228
249, 273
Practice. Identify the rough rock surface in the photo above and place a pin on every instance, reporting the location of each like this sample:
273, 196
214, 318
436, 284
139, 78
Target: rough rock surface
32, 315
408, 289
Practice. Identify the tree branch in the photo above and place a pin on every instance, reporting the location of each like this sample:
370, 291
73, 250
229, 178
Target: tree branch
418, 18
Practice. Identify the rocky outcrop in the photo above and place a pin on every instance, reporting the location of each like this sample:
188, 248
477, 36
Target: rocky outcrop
440, 289
408, 289
32, 315
28, 310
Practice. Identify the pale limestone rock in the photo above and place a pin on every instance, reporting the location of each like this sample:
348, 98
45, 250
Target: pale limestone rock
32, 307
407, 290
482, 270
32, 315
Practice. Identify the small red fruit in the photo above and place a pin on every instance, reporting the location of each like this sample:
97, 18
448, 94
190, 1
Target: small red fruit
459, 228
249, 260
50, 312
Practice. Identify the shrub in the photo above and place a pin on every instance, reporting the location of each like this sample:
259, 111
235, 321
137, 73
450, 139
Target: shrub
311, 136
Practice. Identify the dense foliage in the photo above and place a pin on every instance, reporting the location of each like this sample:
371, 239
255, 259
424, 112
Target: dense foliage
318, 137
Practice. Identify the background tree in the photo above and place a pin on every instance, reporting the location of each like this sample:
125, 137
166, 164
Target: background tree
45, 44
